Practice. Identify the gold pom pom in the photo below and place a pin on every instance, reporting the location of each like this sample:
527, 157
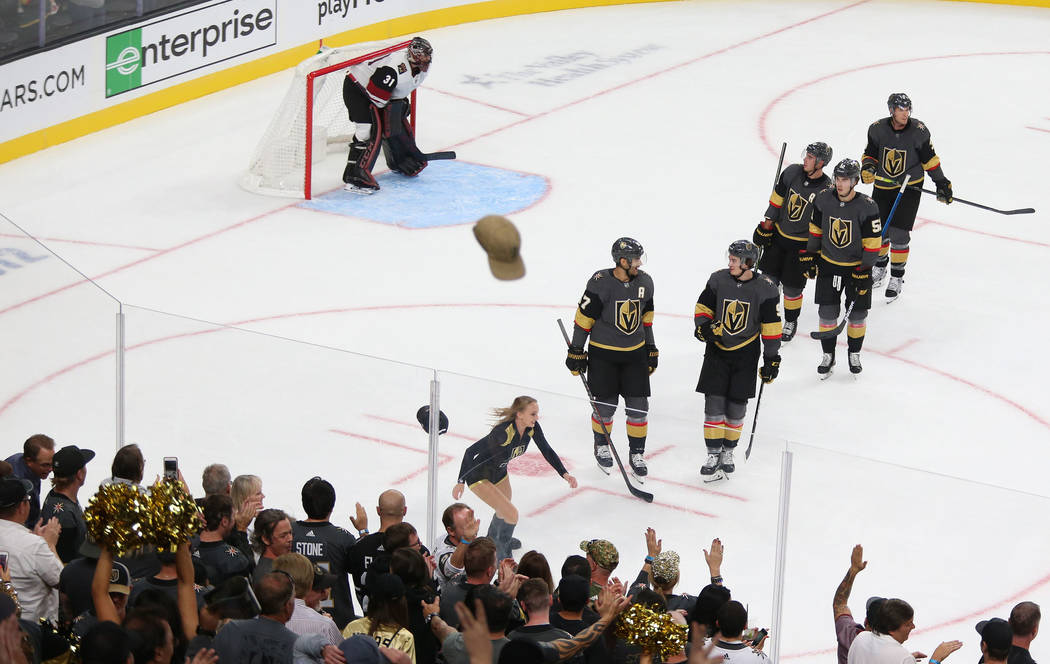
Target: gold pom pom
114, 517
172, 516
652, 629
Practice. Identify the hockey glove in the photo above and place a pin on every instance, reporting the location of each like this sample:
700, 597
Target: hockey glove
807, 263
654, 357
707, 332
867, 174
770, 369
944, 191
576, 360
763, 236
860, 281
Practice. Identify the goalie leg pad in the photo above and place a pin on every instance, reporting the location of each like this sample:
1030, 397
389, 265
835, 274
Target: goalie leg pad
399, 142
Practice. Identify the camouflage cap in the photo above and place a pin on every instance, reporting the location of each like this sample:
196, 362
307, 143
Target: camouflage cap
603, 552
665, 566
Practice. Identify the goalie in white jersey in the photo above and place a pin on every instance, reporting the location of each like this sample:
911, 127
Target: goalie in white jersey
376, 93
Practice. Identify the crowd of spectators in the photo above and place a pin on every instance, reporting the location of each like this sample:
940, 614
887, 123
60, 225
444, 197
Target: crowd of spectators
256, 586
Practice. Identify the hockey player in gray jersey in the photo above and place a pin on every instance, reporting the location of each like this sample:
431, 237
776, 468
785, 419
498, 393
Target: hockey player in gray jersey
616, 312
376, 94
736, 308
844, 240
784, 230
899, 147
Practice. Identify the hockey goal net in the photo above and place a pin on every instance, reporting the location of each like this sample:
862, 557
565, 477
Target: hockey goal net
311, 121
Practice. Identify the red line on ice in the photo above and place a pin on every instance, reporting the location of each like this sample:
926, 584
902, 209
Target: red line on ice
683, 485
651, 76
762, 119
443, 458
984, 233
620, 494
416, 424
476, 101
87, 242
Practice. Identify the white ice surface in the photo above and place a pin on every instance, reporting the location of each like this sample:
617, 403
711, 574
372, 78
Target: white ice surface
676, 147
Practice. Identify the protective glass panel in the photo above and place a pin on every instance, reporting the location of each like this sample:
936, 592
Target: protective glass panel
281, 409
63, 382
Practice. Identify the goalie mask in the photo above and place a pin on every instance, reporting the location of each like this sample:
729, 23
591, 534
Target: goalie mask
420, 53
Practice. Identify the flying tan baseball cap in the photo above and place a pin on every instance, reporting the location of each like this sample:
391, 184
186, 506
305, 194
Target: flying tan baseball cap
501, 241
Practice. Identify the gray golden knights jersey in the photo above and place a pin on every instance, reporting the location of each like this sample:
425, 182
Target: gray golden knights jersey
791, 203
846, 234
898, 153
616, 314
741, 310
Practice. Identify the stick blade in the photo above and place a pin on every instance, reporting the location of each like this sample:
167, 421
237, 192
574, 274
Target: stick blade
638, 493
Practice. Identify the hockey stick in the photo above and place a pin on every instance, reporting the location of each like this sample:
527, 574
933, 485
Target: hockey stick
970, 203
635, 491
780, 163
758, 402
837, 330
435, 156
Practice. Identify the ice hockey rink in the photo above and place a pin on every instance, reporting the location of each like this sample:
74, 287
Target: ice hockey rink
288, 341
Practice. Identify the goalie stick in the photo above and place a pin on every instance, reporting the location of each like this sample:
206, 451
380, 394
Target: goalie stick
970, 203
635, 491
837, 330
435, 156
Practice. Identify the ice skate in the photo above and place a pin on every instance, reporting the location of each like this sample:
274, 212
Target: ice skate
854, 363
603, 455
726, 461
825, 366
788, 333
713, 464
360, 190
878, 275
712, 471
638, 467
894, 288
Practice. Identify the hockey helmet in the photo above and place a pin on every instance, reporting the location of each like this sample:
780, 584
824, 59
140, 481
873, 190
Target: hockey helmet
899, 100
746, 251
420, 53
821, 151
848, 168
628, 248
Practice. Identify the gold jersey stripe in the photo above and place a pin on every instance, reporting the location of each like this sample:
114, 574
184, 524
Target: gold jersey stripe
815, 230
791, 237
647, 317
776, 199
872, 243
739, 345
703, 310
583, 321
772, 330
635, 347
932, 164
848, 264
